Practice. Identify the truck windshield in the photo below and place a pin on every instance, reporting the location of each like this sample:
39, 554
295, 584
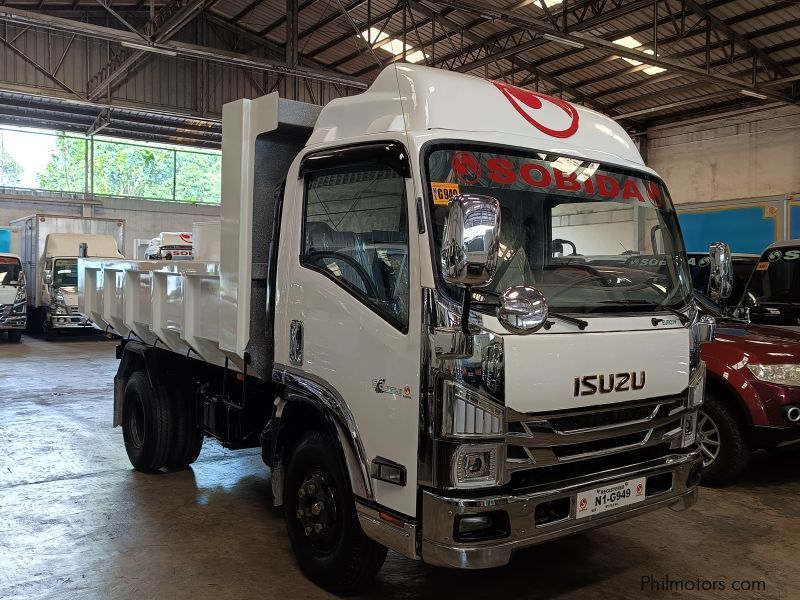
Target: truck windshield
9, 270
65, 272
592, 238
776, 279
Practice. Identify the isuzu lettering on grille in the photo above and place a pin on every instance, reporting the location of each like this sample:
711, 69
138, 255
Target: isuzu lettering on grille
589, 385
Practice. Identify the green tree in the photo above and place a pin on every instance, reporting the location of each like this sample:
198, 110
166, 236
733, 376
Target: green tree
123, 169
66, 170
198, 177
10, 170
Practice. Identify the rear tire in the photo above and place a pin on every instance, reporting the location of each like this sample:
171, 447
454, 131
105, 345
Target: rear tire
726, 452
14, 336
187, 440
147, 423
337, 556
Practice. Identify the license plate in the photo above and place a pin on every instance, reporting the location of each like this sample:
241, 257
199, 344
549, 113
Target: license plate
609, 497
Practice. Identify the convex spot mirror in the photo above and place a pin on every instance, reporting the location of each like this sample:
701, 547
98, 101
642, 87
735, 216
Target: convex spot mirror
471, 240
720, 281
523, 309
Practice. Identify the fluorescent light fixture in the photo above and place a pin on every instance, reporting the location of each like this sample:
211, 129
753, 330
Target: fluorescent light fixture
753, 94
631, 42
560, 40
149, 48
373, 35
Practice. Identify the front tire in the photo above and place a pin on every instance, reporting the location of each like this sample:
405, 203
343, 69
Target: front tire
147, 423
724, 446
322, 522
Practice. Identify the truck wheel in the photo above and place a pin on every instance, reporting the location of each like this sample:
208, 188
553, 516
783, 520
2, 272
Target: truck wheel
321, 519
14, 336
725, 450
187, 438
147, 424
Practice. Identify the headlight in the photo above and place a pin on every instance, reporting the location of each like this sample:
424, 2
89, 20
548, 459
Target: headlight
21, 295
779, 374
697, 384
475, 466
467, 414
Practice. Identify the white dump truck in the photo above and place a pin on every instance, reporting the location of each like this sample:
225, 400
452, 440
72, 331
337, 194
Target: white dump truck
170, 245
455, 328
50, 247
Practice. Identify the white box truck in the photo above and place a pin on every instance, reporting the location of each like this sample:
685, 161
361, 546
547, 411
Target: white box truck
455, 329
13, 298
170, 245
50, 247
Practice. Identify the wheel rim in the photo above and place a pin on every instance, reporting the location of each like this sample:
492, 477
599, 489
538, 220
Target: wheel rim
137, 423
317, 511
709, 437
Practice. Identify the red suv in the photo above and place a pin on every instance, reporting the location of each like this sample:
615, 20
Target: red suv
752, 397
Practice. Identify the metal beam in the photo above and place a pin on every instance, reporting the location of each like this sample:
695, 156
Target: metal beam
183, 49
163, 26
591, 41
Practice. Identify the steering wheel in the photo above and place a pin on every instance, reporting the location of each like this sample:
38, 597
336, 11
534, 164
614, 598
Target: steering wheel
369, 285
604, 280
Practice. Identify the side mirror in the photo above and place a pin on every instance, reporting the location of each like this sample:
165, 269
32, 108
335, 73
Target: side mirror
471, 240
523, 309
706, 329
720, 281
48, 278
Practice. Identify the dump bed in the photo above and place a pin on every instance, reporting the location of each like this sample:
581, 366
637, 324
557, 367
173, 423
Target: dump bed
207, 309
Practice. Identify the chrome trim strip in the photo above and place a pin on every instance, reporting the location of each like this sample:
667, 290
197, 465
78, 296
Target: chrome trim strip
403, 541
333, 401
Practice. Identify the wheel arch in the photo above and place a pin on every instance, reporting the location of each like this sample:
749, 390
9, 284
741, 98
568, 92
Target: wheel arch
302, 404
731, 396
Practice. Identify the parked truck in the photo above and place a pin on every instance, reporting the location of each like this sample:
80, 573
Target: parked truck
772, 294
428, 316
170, 245
50, 247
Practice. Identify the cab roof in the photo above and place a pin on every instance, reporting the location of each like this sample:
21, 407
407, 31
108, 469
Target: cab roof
415, 99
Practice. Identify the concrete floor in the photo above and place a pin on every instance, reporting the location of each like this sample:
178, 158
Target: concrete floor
77, 522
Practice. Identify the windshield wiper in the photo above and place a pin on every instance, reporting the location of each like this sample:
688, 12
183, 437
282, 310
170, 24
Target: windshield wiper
682, 317
579, 323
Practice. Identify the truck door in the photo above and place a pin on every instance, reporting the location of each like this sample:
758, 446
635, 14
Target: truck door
353, 295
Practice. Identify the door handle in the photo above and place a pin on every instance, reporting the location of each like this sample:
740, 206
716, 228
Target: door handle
296, 343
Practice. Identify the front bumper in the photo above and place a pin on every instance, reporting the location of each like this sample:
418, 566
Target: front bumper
774, 437
13, 320
74, 320
439, 512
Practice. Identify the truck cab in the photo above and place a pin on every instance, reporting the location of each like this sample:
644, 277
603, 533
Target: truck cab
59, 284
455, 329
772, 294
13, 298
170, 245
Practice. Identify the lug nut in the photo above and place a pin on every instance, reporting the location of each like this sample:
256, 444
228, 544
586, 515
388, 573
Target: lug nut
311, 488
317, 527
301, 492
300, 514
317, 508
308, 531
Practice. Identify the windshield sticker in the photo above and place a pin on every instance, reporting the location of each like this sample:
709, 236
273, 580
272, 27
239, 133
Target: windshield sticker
774, 256
762, 266
442, 192
535, 108
562, 174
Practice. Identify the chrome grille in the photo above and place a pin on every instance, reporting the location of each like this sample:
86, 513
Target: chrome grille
542, 440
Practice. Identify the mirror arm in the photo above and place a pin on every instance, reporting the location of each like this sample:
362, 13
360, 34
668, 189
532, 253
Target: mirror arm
465, 308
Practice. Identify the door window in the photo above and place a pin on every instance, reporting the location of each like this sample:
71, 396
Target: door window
356, 233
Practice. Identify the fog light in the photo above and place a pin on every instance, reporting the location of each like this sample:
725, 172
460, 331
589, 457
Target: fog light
484, 526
